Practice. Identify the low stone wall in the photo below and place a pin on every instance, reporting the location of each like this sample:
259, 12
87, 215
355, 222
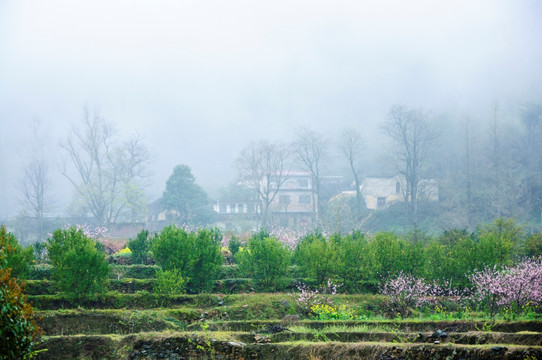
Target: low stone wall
190, 348
171, 347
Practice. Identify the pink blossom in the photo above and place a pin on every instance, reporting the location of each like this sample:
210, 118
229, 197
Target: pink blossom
509, 287
406, 291
92, 232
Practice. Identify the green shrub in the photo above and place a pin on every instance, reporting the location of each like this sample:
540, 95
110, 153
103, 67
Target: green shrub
113, 300
18, 258
394, 254
169, 282
208, 260
140, 247
317, 258
532, 246
39, 251
266, 260
134, 271
451, 257
196, 254
40, 272
39, 287
18, 329
79, 268
355, 262
497, 242
130, 286
234, 245
229, 272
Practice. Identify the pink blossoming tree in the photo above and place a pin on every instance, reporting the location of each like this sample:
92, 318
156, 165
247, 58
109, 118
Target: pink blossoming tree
511, 287
406, 291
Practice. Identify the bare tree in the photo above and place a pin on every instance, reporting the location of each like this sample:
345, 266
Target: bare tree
311, 149
351, 146
530, 155
35, 186
412, 134
468, 174
108, 178
265, 166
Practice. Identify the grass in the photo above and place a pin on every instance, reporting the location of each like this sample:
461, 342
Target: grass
257, 305
363, 328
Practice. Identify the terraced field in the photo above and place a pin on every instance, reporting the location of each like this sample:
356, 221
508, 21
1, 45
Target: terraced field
140, 325
158, 334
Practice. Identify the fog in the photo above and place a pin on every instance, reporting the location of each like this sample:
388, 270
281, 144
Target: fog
199, 80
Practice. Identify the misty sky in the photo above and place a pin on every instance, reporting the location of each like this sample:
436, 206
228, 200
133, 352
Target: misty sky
201, 79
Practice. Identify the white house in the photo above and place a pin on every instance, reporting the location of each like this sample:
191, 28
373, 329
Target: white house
380, 193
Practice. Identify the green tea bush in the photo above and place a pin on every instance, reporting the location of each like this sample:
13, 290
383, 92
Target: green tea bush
355, 263
234, 245
229, 272
169, 282
140, 247
266, 260
80, 270
498, 241
532, 245
450, 257
113, 300
130, 286
195, 254
317, 257
395, 254
134, 271
39, 287
40, 272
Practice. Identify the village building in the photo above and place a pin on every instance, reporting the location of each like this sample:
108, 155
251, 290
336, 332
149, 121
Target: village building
381, 193
295, 202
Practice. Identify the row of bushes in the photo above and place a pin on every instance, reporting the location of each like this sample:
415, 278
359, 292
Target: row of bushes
192, 260
224, 286
357, 259
43, 271
354, 259
115, 300
79, 269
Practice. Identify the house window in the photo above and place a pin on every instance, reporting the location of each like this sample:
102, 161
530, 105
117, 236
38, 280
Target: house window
303, 183
304, 199
380, 202
284, 199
